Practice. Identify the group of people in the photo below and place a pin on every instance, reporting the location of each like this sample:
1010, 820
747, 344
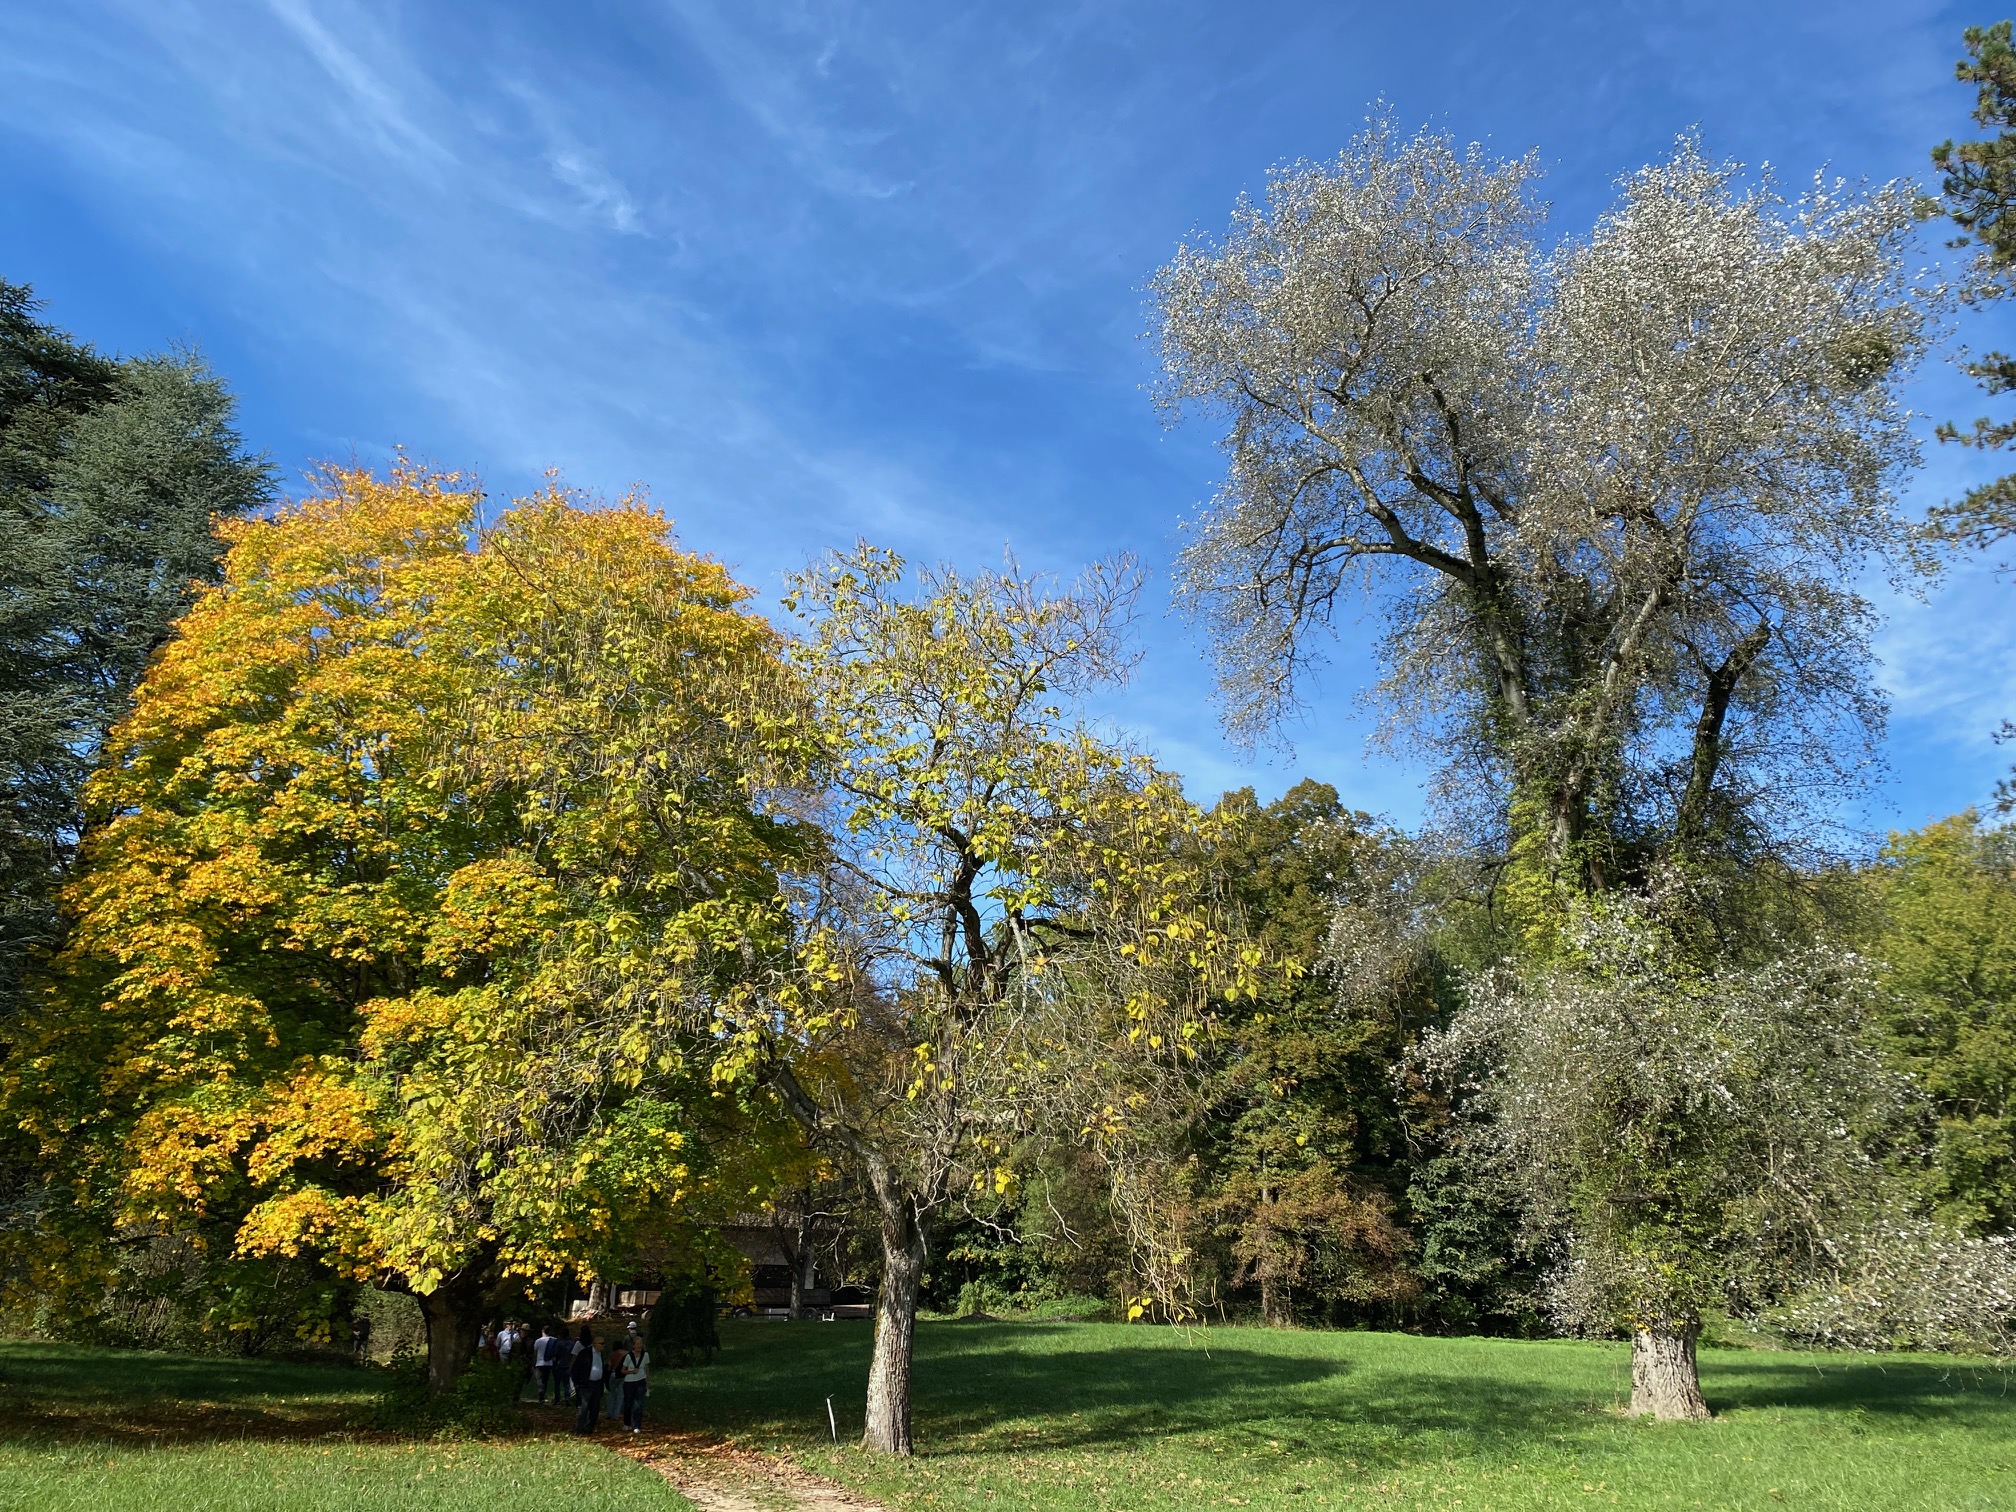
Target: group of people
598, 1379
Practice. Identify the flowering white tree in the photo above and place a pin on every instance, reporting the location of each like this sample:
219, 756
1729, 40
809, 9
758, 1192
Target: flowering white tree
1690, 1138
1613, 496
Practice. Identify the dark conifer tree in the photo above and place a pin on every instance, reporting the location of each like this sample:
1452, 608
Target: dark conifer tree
112, 474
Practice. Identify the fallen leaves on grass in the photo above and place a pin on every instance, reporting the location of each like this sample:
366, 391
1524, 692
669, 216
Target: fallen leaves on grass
724, 1477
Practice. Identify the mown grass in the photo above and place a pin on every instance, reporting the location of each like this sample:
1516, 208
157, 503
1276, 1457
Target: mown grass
1053, 1416
1082, 1416
102, 1430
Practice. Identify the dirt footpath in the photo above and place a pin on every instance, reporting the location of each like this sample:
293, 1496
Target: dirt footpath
717, 1477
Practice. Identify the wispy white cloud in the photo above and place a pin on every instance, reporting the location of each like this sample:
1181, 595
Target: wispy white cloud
1948, 661
583, 171
774, 73
824, 270
599, 192
383, 106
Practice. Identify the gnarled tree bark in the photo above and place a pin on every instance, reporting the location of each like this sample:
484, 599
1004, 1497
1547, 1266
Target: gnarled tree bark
1665, 1379
904, 1249
453, 1312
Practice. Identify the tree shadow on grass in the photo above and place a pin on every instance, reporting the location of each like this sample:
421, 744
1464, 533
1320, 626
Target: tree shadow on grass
1018, 1388
1006, 1400
68, 1392
1958, 1391
1027, 1387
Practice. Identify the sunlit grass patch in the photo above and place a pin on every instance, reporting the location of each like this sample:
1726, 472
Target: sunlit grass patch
1085, 1416
535, 1475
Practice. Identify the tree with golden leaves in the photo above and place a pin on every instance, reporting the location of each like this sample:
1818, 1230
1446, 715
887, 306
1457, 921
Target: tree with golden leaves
425, 846
1010, 938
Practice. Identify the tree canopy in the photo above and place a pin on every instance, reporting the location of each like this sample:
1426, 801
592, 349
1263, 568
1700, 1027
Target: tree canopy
1946, 932
1689, 1138
1298, 1141
1615, 496
407, 870
1979, 190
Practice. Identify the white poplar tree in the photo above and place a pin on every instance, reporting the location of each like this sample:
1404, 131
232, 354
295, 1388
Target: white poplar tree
1613, 497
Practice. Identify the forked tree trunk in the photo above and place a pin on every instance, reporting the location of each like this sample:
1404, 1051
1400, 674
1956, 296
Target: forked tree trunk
903, 1254
454, 1316
1665, 1380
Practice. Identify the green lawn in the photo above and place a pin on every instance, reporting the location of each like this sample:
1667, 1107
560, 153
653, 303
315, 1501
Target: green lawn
1062, 1416
1054, 1416
101, 1430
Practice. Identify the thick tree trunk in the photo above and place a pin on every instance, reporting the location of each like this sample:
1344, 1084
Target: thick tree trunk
1665, 1381
903, 1254
1274, 1308
454, 1315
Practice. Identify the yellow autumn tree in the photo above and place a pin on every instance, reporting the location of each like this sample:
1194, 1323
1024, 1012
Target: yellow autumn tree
425, 846
1008, 939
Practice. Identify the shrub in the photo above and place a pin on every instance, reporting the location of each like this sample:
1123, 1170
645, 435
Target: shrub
681, 1329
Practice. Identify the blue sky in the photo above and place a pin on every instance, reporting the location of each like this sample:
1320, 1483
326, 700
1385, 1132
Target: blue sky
824, 270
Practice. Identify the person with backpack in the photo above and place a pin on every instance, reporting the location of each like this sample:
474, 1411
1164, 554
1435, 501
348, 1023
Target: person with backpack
543, 1349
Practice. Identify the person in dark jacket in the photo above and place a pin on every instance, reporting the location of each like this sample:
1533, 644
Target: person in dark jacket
563, 1366
591, 1379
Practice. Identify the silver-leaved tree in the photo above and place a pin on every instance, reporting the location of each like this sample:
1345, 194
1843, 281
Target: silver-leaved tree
1687, 1138
1614, 498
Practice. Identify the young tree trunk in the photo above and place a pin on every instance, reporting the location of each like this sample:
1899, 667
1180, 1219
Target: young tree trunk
903, 1254
1665, 1381
454, 1315
804, 1277
905, 1244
